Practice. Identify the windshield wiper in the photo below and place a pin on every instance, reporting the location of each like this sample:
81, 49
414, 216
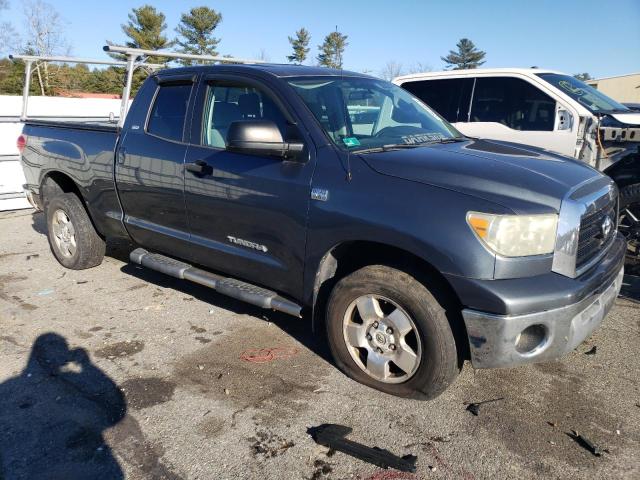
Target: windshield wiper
387, 148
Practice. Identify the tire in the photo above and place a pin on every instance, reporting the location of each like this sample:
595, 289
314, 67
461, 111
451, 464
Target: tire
398, 296
72, 237
629, 223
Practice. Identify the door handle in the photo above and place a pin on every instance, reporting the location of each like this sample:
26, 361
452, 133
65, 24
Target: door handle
199, 167
121, 155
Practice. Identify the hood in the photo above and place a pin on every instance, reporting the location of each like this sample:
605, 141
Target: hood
521, 178
631, 118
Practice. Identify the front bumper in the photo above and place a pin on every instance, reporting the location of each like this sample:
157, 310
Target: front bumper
495, 341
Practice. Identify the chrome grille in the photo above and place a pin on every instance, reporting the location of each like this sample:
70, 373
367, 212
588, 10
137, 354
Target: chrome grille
593, 238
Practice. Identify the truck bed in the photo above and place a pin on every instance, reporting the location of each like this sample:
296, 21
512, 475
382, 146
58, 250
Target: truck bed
82, 150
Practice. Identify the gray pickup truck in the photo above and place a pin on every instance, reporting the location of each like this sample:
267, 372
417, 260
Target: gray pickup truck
341, 198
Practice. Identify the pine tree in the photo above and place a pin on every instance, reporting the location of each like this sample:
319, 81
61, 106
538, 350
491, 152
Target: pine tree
332, 50
145, 29
300, 45
467, 56
196, 32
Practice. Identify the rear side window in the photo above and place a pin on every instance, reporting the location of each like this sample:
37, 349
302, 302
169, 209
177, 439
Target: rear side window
169, 111
449, 97
512, 102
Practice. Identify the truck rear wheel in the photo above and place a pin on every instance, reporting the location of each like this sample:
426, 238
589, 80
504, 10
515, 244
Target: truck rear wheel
387, 331
72, 237
629, 221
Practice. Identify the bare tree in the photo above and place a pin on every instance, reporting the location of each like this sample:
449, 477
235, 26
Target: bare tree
263, 56
391, 70
44, 36
419, 67
8, 35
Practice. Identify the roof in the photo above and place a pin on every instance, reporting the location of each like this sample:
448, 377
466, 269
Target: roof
471, 72
278, 70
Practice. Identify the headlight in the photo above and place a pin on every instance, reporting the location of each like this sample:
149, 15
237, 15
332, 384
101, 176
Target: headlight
515, 235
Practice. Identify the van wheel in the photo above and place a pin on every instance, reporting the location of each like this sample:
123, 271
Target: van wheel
629, 221
387, 331
72, 237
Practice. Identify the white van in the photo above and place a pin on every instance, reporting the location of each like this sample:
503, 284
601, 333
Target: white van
546, 109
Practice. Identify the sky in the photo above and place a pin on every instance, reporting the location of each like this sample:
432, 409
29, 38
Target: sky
599, 37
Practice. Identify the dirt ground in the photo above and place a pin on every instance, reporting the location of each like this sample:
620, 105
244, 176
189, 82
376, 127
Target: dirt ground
119, 372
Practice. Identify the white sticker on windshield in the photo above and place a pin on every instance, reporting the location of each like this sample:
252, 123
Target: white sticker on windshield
422, 138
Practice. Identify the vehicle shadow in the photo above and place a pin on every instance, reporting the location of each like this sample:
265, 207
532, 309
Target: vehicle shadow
54, 413
631, 288
39, 223
298, 328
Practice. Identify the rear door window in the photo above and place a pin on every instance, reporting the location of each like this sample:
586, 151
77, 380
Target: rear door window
169, 111
449, 97
512, 102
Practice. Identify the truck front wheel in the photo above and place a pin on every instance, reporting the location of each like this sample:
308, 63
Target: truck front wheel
386, 330
72, 237
629, 221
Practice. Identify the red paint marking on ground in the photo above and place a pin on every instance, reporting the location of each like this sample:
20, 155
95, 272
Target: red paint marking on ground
391, 475
265, 355
464, 474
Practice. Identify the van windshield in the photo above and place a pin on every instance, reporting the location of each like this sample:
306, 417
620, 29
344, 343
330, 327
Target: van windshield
586, 95
365, 113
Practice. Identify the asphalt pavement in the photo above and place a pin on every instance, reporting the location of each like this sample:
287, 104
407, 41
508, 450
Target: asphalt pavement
119, 372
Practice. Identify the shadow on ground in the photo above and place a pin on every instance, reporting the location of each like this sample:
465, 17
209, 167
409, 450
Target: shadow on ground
54, 413
298, 328
631, 288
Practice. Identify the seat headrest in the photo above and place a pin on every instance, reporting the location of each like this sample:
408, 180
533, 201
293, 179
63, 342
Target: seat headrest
225, 113
249, 104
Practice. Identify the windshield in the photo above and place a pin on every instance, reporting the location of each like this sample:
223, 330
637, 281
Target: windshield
363, 113
588, 96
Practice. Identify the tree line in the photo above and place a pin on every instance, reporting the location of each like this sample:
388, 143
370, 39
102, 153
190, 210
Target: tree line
146, 28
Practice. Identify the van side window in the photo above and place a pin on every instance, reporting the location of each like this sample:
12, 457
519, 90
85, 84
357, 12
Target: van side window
512, 102
231, 102
169, 111
449, 97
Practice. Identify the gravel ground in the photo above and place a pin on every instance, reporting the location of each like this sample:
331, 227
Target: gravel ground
119, 372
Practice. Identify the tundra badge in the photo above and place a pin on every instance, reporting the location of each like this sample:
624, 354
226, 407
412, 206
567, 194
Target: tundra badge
247, 243
321, 194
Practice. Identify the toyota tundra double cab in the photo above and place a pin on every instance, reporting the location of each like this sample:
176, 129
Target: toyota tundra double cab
343, 199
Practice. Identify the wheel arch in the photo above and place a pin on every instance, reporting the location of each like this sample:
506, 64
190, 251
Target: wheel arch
55, 181
626, 171
349, 256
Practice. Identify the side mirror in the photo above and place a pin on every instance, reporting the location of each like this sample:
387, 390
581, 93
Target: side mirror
260, 137
565, 120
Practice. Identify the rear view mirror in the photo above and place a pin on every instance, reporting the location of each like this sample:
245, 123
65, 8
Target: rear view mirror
260, 137
565, 120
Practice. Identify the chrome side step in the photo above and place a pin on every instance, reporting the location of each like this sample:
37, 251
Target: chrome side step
231, 287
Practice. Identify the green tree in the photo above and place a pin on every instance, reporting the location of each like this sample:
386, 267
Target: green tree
583, 76
196, 32
300, 45
467, 56
145, 29
332, 50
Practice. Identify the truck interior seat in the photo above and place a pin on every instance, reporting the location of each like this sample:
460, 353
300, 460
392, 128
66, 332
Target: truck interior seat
224, 114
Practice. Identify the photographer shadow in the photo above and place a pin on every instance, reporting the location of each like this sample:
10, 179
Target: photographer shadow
53, 416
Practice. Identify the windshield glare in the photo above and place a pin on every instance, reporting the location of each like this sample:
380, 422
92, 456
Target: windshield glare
586, 95
363, 113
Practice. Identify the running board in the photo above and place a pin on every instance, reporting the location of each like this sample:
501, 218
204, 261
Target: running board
231, 287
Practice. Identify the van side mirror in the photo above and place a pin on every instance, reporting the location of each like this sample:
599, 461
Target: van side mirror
565, 120
260, 137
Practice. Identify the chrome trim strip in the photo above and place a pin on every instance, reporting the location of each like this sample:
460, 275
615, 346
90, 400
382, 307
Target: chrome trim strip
571, 212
